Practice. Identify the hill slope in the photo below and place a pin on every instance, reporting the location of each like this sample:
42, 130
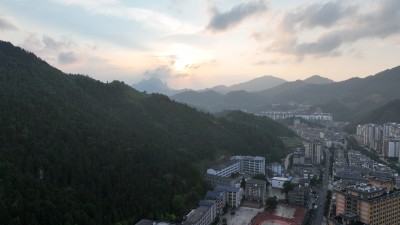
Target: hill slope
316, 79
74, 150
344, 99
390, 112
256, 84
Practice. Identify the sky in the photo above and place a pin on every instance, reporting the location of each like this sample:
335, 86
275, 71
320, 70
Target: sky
203, 43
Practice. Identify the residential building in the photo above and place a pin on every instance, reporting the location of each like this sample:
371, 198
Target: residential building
233, 195
368, 204
239, 164
277, 182
152, 222
250, 164
215, 180
313, 151
225, 169
276, 168
203, 215
219, 197
256, 190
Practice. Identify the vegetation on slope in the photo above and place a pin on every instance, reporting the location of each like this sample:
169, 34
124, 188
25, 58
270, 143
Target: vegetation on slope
74, 150
389, 112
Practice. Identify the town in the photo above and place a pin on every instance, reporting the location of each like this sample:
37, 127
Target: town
324, 181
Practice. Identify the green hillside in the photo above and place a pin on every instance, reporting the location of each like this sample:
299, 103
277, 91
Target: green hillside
74, 150
390, 112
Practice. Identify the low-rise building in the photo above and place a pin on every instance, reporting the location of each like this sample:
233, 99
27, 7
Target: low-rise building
215, 180
277, 182
219, 197
203, 215
256, 190
233, 195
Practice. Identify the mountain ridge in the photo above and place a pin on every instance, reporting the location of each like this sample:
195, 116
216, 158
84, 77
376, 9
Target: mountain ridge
74, 150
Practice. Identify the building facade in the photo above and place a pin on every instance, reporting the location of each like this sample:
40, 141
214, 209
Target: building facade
256, 190
368, 204
313, 151
250, 164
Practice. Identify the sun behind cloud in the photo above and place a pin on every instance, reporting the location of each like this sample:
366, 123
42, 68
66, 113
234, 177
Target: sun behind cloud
184, 58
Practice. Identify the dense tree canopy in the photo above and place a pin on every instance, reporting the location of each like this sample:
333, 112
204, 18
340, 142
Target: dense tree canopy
74, 150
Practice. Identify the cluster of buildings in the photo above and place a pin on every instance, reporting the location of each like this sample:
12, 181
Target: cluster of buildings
225, 179
323, 118
365, 192
351, 167
305, 162
385, 139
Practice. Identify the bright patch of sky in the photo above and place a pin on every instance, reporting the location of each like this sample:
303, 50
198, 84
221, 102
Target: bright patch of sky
198, 44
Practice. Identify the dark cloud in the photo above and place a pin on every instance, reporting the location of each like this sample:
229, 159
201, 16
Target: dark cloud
67, 57
221, 21
6, 25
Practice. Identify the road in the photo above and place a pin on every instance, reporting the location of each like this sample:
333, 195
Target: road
322, 192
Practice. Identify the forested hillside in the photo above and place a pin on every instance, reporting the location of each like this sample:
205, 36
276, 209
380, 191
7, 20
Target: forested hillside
74, 150
389, 112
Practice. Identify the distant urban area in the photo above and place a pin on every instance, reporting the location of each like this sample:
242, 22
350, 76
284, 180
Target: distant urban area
331, 178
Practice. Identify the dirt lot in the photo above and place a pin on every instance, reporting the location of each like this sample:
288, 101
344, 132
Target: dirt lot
242, 216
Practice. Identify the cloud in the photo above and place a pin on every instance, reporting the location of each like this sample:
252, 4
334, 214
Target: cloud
67, 57
322, 29
316, 15
6, 25
221, 21
159, 72
114, 8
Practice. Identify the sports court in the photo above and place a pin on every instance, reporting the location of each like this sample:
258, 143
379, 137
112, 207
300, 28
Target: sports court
243, 215
283, 215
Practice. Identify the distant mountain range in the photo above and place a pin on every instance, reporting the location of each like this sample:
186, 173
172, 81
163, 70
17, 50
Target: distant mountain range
316, 79
257, 84
344, 99
155, 85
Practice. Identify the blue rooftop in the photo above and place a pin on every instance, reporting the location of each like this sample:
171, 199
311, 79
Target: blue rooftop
214, 194
227, 188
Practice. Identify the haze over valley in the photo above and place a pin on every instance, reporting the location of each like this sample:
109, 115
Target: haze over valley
193, 112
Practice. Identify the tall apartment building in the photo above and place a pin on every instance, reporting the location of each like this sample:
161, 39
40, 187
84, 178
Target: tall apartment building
313, 151
368, 204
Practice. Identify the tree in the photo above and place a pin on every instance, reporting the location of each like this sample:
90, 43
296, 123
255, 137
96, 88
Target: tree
287, 186
271, 203
243, 183
178, 204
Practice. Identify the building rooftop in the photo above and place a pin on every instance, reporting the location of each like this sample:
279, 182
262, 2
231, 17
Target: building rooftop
227, 188
224, 165
208, 203
366, 188
196, 215
152, 222
214, 194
